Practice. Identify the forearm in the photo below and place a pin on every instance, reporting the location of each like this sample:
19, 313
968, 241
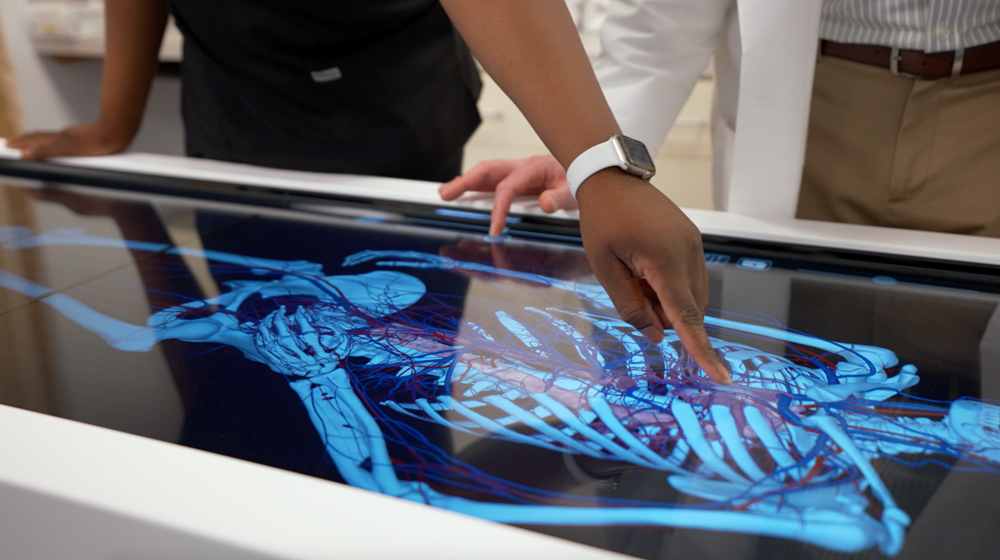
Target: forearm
643, 249
533, 51
134, 31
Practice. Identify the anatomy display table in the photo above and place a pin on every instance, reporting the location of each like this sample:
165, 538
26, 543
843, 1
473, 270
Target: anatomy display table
388, 346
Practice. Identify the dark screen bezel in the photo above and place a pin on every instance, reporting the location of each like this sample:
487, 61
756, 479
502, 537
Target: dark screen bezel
939, 272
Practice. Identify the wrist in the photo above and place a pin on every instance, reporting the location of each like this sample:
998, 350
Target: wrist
111, 135
610, 184
621, 152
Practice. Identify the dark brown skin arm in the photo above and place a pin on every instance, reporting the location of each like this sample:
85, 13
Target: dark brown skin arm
643, 249
134, 30
533, 51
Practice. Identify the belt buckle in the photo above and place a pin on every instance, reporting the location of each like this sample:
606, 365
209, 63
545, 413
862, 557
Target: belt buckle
894, 58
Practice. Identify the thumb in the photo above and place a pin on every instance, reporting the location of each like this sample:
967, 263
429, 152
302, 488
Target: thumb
557, 199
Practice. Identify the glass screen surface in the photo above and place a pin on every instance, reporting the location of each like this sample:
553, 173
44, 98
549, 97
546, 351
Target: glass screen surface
638, 152
496, 380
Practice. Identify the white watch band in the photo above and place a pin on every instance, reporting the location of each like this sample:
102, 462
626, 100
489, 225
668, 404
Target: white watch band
599, 157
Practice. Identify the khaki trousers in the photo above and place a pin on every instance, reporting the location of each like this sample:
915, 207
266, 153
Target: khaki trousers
10, 107
899, 152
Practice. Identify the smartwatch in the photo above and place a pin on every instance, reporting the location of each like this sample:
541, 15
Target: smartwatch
621, 151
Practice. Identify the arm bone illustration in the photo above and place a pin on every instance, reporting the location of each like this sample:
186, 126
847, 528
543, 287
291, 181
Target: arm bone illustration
785, 451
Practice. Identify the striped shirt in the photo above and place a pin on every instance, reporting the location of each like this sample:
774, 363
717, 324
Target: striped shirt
924, 25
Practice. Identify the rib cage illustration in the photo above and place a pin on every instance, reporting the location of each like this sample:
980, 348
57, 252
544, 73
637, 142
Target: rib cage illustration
728, 444
784, 451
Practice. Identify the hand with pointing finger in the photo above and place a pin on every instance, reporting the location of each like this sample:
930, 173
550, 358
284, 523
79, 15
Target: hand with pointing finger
648, 256
541, 175
642, 248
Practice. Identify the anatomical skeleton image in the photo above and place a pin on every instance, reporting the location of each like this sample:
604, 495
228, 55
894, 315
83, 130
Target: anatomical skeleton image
786, 450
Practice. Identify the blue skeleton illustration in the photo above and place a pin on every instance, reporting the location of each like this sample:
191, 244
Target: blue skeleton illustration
785, 451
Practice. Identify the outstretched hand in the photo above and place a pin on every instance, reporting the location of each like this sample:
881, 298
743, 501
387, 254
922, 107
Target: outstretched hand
294, 345
648, 256
91, 139
541, 175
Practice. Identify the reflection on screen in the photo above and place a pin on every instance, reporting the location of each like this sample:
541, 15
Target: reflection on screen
785, 451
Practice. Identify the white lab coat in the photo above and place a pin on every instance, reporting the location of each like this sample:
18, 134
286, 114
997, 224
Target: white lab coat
655, 50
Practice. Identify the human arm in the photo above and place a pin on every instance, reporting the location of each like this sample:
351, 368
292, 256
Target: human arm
643, 249
134, 30
653, 54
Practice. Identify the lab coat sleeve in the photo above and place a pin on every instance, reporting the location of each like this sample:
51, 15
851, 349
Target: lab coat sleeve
653, 54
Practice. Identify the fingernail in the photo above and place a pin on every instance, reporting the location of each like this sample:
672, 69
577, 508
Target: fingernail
723, 373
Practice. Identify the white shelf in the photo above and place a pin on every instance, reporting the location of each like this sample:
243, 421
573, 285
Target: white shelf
65, 29
62, 46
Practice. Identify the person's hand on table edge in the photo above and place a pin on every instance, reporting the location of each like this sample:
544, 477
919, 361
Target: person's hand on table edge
648, 256
541, 175
91, 139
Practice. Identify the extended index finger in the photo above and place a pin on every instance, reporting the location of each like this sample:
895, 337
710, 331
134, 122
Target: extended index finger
686, 316
523, 179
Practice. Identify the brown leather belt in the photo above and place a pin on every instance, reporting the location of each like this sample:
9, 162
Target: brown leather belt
918, 64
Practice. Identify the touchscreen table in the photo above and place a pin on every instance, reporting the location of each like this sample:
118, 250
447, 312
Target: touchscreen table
496, 380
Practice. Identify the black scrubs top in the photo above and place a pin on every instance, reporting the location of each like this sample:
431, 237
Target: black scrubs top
377, 87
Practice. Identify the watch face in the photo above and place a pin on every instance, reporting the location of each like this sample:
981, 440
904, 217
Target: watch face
638, 153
